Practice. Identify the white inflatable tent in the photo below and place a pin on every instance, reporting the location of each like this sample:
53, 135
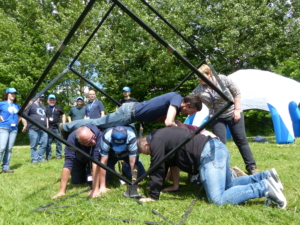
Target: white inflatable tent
266, 91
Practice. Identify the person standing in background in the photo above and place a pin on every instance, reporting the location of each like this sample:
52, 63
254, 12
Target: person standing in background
36, 136
55, 115
9, 120
126, 93
94, 108
77, 112
233, 117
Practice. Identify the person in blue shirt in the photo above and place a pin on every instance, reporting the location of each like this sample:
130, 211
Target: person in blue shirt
94, 108
118, 143
162, 108
9, 120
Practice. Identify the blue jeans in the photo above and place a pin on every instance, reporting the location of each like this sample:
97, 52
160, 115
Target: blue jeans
216, 178
112, 160
7, 140
58, 145
238, 134
37, 137
122, 116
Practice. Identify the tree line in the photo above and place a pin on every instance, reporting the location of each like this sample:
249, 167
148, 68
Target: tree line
233, 34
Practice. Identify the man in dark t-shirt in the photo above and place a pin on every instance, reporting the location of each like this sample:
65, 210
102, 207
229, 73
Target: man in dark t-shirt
126, 93
161, 108
55, 116
87, 138
36, 112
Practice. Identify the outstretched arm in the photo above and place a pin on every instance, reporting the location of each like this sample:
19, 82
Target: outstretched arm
103, 188
63, 182
170, 120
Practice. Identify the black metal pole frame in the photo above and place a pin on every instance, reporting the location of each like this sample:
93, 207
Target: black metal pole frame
29, 100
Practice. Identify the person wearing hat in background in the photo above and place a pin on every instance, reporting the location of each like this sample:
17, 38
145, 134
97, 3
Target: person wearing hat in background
77, 112
55, 115
94, 108
86, 138
118, 143
126, 93
37, 112
9, 120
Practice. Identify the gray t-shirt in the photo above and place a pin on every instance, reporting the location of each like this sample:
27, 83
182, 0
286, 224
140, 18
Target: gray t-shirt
77, 113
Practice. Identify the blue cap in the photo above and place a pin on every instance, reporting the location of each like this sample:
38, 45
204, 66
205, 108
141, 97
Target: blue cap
79, 98
126, 89
119, 139
11, 90
51, 96
42, 95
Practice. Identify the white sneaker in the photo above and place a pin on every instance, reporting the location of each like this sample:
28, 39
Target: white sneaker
275, 176
274, 194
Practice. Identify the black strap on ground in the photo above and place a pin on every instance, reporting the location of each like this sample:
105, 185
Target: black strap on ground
59, 200
187, 212
129, 220
155, 212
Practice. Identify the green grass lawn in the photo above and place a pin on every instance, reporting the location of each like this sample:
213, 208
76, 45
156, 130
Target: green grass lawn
32, 186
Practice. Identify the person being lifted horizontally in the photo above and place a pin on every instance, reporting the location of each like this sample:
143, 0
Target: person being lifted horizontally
162, 108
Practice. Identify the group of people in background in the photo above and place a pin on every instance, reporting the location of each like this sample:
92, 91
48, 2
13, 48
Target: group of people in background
109, 138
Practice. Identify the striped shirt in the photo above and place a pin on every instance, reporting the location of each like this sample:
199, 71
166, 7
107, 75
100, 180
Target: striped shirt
214, 106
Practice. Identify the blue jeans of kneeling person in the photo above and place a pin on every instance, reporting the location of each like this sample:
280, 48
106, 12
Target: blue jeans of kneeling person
37, 137
216, 178
7, 140
122, 116
58, 145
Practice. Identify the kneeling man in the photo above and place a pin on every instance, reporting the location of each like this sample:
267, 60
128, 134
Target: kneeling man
211, 158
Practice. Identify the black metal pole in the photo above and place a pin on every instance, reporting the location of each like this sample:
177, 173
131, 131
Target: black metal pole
73, 147
169, 47
173, 28
95, 86
187, 77
92, 35
58, 53
44, 89
173, 151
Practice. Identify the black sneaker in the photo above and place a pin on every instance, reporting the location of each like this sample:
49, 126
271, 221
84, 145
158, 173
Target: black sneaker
253, 170
64, 134
8, 171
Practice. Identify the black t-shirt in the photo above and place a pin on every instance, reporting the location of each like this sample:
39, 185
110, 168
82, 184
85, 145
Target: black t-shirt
122, 101
53, 114
37, 114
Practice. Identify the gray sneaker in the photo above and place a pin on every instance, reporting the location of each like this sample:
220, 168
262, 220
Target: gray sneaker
275, 176
274, 194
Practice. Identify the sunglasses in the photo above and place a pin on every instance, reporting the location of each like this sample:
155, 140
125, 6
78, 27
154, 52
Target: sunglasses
89, 141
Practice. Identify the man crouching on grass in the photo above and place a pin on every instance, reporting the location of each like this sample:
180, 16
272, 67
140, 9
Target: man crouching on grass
87, 138
211, 158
